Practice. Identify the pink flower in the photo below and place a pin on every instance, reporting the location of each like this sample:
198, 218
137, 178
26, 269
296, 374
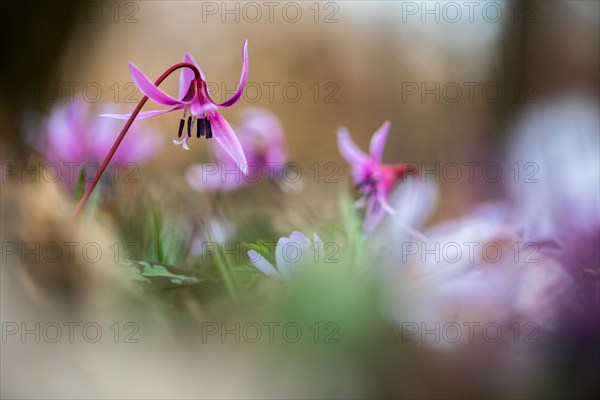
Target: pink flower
198, 108
72, 135
372, 178
262, 139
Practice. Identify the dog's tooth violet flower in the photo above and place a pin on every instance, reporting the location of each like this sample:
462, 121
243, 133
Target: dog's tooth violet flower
198, 109
373, 179
261, 136
290, 254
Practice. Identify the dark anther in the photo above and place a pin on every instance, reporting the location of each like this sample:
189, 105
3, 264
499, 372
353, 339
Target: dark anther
189, 126
208, 129
181, 123
200, 131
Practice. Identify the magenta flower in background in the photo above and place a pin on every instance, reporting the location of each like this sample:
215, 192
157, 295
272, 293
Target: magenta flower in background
73, 135
373, 179
261, 136
198, 108
291, 253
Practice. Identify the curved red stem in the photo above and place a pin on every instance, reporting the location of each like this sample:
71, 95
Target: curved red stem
115, 146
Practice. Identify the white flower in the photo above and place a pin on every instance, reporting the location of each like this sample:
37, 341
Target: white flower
290, 253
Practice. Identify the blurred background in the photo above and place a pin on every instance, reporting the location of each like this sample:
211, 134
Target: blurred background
448, 76
454, 79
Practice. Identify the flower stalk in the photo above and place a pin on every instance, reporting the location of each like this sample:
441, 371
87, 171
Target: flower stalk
123, 132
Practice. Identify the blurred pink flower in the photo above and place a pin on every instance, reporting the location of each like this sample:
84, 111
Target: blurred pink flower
261, 136
290, 253
555, 146
72, 135
477, 270
198, 108
372, 178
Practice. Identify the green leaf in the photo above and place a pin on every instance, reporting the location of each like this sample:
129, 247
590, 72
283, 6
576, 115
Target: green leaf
162, 276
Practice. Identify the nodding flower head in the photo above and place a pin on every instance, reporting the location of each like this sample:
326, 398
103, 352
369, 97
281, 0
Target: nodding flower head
196, 105
373, 179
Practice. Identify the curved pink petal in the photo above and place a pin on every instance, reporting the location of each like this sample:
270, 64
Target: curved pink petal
240, 90
378, 141
187, 75
227, 139
150, 89
351, 152
143, 114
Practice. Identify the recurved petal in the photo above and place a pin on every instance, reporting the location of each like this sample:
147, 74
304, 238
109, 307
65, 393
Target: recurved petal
351, 152
187, 75
150, 89
378, 141
226, 138
240, 90
263, 265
